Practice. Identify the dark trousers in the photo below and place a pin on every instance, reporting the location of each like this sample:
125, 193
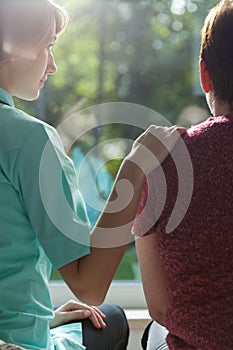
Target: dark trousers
113, 337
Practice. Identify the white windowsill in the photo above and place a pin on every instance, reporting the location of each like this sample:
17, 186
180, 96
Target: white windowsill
128, 295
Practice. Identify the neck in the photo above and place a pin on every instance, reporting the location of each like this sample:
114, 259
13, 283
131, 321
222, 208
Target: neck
4, 77
218, 107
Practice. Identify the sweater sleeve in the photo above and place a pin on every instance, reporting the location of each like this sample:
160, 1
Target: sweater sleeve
144, 223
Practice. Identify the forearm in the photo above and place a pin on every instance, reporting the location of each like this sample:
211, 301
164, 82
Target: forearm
90, 277
114, 225
112, 232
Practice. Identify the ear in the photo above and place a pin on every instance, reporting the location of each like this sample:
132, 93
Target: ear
206, 82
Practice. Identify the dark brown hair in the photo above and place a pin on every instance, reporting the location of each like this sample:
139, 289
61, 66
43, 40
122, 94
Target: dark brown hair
217, 49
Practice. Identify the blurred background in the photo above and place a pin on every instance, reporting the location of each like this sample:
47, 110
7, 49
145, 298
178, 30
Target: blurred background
140, 52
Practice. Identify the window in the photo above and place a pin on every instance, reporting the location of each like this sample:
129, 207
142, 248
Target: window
134, 52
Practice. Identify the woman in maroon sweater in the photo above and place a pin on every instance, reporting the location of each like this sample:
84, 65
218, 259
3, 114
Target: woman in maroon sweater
187, 270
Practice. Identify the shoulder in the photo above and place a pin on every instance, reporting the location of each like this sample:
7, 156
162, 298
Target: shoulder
16, 118
211, 129
210, 140
17, 126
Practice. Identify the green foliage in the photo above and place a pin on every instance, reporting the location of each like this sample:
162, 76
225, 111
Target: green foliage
144, 52
134, 51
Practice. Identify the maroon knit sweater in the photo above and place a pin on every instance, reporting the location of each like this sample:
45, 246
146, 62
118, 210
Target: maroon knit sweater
198, 254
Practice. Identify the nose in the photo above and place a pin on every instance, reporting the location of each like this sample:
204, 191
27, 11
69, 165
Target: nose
51, 67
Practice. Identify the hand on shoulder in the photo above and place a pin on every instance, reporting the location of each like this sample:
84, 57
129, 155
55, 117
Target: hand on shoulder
152, 147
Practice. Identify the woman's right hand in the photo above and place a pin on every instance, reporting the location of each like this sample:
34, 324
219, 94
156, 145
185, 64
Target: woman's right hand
152, 147
74, 311
6, 346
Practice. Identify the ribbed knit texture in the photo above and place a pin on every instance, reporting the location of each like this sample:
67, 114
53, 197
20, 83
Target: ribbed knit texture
198, 254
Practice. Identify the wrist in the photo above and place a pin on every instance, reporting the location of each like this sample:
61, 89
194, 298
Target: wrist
52, 323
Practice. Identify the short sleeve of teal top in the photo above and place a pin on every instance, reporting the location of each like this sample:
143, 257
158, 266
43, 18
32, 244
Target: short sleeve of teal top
46, 182
42, 220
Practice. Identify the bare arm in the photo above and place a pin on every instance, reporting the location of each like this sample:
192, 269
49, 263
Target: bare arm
89, 278
154, 277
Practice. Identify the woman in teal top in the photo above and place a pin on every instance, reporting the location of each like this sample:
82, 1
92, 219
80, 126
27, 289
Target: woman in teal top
36, 229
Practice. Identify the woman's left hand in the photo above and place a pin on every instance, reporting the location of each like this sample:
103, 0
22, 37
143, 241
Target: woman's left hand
74, 311
152, 147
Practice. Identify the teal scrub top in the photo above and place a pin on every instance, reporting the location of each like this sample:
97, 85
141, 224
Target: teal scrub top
42, 221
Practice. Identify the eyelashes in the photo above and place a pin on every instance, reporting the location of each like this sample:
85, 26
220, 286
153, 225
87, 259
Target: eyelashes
51, 45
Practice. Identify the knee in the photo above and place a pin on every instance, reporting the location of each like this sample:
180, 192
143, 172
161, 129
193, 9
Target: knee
120, 315
115, 315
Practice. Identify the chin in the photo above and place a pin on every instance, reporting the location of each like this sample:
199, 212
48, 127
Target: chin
29, 96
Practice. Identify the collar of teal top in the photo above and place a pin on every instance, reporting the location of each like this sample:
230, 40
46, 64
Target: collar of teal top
6, 97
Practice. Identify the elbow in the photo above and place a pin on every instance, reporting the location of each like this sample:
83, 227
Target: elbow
89, 299
158, 316
90, 296
158, 309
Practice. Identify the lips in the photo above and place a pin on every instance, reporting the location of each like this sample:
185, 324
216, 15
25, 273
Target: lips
43, 80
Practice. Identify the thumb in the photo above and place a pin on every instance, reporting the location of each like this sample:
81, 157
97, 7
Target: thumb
180, 129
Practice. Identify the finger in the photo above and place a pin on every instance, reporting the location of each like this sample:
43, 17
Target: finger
73, 305
100, 319
159, 132
75, 315
99, 311
96, 317
154, 129
10, 347
164, 135
181, 130
73, 310
97, 320
178, 129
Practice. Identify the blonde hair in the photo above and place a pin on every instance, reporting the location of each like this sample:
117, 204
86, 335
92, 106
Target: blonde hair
217, 49
24, 22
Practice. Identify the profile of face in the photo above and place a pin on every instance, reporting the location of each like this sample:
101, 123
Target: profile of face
28, 69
